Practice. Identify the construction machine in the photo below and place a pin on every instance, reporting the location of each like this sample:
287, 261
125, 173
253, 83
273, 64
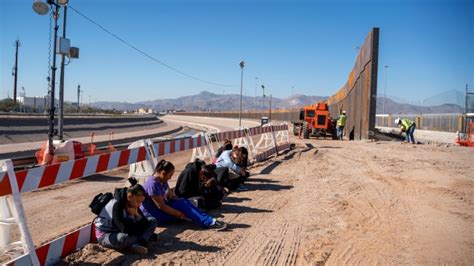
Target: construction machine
315, 121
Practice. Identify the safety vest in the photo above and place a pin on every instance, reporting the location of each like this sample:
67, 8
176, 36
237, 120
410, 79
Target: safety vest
407, 123
341, 122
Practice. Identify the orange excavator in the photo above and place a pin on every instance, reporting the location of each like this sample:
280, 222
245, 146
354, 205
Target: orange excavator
315, 122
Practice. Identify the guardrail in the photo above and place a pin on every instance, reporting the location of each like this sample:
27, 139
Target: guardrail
12, 183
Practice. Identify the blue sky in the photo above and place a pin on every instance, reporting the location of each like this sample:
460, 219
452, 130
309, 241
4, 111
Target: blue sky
428, 45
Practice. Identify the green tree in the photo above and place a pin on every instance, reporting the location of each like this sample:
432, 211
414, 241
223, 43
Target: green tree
7, 105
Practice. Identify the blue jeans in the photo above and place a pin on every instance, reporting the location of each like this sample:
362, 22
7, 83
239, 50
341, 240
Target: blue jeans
409, 134
340, 131
184, 206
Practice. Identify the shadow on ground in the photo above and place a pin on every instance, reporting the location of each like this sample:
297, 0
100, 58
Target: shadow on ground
267, 170
230, 208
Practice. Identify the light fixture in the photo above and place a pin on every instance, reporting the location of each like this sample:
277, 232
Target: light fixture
40, 7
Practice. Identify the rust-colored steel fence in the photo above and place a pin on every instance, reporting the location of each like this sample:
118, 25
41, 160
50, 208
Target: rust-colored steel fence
358, 96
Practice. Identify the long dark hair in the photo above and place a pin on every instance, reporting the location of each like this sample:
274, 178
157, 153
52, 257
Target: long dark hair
244, 157
135, 188
164, 165
208, 170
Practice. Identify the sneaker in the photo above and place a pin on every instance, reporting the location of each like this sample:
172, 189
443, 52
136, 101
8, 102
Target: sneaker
242, 187
137, 249
218, 226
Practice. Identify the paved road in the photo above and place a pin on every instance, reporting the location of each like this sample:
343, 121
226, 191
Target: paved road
28, 148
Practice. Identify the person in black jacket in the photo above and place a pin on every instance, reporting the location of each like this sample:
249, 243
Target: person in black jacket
197, 182
187, 184
122, 225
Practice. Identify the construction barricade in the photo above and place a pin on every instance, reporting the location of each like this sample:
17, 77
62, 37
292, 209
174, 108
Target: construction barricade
141, 156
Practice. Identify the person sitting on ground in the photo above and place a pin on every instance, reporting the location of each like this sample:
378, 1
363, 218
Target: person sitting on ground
122, 225
244, 161
163, 204
198, 184
225, 147
229, 173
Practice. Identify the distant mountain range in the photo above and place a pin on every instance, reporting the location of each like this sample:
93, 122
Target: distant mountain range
446, 97
206, 101
392, 107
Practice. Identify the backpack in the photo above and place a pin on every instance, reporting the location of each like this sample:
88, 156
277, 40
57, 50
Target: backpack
99, 202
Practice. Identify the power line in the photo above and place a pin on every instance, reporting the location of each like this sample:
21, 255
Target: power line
144, 53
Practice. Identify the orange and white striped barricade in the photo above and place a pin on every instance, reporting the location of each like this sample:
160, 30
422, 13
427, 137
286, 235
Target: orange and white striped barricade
173, 146
15, 214
12, 184
246, 141
143, 169
282, 137
219, 137
265, 147
203, 152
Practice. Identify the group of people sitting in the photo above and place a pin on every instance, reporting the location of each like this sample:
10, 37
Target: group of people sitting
128, 220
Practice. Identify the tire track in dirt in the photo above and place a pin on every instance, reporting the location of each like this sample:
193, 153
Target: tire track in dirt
337, 203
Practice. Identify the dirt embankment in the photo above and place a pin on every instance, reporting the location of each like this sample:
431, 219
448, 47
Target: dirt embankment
336, 203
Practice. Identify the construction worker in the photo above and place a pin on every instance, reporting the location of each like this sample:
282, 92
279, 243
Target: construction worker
341, 123
407, 126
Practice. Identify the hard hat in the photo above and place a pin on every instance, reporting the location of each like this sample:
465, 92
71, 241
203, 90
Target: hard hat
397, 121
344, 112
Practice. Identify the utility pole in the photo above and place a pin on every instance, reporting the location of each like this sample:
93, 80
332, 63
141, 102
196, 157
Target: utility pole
465, 104
17, 45
263, 100
385, 90
53, 85
255, 100
61, 84
466, 109
78, 97
242, 64
292, 100
270, 115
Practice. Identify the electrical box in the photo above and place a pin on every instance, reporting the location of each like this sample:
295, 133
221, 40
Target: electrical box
74, 52
63, 46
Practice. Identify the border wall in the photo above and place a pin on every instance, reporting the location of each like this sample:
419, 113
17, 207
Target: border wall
359, 95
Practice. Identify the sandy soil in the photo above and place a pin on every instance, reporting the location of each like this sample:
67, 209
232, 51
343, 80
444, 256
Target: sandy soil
323, 202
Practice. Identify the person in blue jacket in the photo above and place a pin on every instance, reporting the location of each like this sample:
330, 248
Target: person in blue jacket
230, 172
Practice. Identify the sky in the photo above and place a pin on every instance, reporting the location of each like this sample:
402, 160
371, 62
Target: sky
292, 47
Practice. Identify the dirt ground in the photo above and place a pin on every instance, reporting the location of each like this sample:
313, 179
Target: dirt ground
331, 202
323, 202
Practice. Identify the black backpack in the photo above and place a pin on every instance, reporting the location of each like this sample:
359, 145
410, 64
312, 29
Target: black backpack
99, 202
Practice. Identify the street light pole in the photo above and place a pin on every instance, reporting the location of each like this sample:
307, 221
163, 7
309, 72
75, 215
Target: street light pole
242, 64
53, 84
255, 100
385, 89
270, 115
61, 84
263, 100
17, 45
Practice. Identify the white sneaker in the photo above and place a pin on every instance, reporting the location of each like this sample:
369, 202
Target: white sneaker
218, 226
